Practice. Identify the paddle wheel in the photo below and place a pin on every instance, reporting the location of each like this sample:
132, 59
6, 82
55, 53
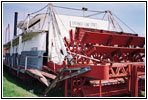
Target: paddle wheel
92, 62
116, 62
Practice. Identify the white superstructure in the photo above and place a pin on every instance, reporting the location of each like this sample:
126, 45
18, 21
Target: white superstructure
55, 26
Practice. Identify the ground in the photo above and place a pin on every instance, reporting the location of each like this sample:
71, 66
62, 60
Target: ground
14, 87
11, 89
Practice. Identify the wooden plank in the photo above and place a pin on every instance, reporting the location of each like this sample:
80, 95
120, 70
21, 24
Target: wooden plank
38, 73
32, 74
48, 69
51, 76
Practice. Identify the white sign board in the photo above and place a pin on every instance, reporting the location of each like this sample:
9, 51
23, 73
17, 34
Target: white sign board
67, 23
83, 24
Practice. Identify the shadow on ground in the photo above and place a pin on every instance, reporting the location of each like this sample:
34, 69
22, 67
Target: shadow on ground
33, 86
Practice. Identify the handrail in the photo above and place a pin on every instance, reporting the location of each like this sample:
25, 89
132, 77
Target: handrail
26, 59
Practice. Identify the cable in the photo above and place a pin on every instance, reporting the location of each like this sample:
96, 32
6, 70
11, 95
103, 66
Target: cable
25, 19
61, 20
39, 10
124, 23
96, 11
114, 22
76, 9
104, 16
95, 14
66, 8
84, 56
44, 18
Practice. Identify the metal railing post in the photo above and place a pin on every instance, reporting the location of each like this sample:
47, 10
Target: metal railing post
26, 62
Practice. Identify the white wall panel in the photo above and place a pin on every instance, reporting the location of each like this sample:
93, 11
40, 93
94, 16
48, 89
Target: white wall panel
38, 43
70, 22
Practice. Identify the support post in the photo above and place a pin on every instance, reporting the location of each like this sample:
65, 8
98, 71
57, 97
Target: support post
129, 78
66, 87
6, 35
71, 87
8, 32
134, 81
100, 89
26, 62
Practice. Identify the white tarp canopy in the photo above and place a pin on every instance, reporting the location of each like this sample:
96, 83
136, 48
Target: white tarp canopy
59, 28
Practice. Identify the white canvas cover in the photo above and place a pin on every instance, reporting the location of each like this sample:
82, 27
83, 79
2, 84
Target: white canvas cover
59, 28
56, 43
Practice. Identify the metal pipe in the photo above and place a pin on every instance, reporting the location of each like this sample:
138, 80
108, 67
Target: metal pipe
15, 23
8, 32
6, 35
26, 62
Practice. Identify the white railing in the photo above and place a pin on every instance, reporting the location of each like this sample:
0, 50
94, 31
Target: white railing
26, 59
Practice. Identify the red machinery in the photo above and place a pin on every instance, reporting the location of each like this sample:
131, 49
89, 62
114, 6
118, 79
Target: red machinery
106, 63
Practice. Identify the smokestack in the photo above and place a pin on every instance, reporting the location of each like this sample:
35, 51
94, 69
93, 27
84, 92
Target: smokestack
15, 23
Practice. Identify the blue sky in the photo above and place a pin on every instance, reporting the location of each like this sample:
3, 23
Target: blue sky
133, 14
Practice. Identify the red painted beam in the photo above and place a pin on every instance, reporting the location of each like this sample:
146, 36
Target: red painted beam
66, 88
110, 49
108, 90
105, 38
134, 81
96, 72
103, 31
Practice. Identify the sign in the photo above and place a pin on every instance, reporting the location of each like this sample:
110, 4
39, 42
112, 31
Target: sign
83, 24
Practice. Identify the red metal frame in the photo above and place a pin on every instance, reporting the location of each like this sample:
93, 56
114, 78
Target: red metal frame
119, 55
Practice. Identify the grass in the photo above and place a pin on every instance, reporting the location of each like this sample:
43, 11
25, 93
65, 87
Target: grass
14, 87
141, 94
11, 89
